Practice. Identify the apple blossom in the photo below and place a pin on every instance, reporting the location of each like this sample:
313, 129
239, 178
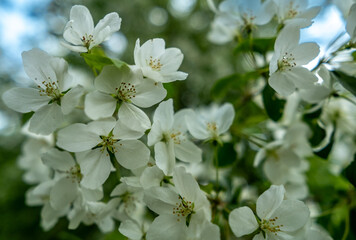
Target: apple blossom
80, 33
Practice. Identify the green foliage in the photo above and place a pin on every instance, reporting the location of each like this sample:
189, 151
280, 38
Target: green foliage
226, 155
346, 81
273, 105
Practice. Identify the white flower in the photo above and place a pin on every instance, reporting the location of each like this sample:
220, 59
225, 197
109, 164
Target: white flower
210, 123
168, 135
178, 208
124, 87
51, 100
80, 31
157, 62
286, 70
93, 142
291, 11
30, 161
278, 219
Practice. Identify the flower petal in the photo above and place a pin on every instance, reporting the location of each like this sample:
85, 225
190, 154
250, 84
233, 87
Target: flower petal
130, 229
132, 154
24, 99
281, 83
149, 93
46, 119
95, 166
99, 105
242, 221
71, 99
165, 157
58, 160
225, 116
269, 201
106, 26
187, 151
167, 227
77, 138
63, 193
130, 114
82, 21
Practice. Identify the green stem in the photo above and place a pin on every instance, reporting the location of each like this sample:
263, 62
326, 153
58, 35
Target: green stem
216, 163
347, 226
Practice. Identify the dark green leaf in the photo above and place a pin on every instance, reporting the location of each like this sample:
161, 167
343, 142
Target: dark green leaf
226, 155
260, 45
346, 81
350, 172
273, 105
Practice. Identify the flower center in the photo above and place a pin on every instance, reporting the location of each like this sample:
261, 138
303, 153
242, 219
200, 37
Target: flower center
287, 62
270, 225
87, 40
184, 209
108, 143
125, 92
74, 174
50, 89
155, 64
292, 12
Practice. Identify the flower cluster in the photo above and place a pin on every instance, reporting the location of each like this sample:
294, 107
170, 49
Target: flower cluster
117, 151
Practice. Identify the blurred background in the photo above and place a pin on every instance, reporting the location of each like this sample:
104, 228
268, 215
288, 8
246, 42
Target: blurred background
182, 23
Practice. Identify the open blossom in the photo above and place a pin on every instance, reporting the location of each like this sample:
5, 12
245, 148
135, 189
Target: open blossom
51, 100
157, 62
93, 142
127, 88
286, 67
168, 135
80, 31
179, 208
289, 11
210, 123
278, 219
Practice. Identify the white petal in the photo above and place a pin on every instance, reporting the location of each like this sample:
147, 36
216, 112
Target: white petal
130, 114
103, 126
106, 26
242, 221
37, 67
225, 117
24, 99
110, 78
186, 185
281, 83
137, 54
58, 160
171, 59
151, 177
196, 127
46, 119
165, 157
99, 105
211, 232
72, 36
77, 138
71, 99
269, 201
63, 193
310, 50
187, 151
161, 200
82, 20
132, 154
149, 93
292, 214
259, 237
167, 227
127, 131
131, 230
153, 48
80, 49
60, 68
170, 77
164, 114
302, 77
156, 134
95, 166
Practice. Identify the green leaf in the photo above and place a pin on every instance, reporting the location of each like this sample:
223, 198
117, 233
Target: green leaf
235, 83
350, 172
97, 59
348, 82
273, 105
226, 155
260, 45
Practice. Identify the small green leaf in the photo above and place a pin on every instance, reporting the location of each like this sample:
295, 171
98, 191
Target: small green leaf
273, 105
346, 81
350, 172
226, 155
260, 45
